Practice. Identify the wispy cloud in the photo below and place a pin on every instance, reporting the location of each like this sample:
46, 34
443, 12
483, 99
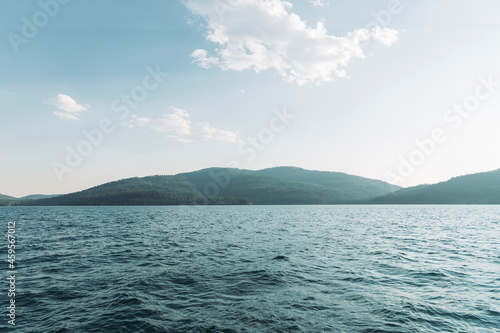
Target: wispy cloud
178, 127
68, 105
210, 133
66, 115
3, 92
281, 41
203, 59
176, 124
319, 3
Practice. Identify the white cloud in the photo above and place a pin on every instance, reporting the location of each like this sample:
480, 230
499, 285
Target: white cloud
384, 35
319, 3
201, 57
3, 92
67, 104
178, 128
210, 133
176, 124
65, 115
262, 34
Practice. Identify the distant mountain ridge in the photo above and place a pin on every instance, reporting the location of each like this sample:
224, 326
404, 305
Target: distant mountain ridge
29, 197
39, 196
7, 200
479, 188
354, 186
6, 197
274, 186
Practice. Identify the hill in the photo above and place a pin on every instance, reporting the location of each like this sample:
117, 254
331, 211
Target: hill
479, 188
259, 189
39, 196
6, 197
6, 200
153, 190
228, 186
287, 185
353, 188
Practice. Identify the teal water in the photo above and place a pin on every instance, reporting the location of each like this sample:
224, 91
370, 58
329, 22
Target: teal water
255, 269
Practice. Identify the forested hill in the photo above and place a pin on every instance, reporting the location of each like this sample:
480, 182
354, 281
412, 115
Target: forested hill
6, 200
480, 188
6, 197
282, 185
285, 185
153, 190
38, 196
289, 185
350, 186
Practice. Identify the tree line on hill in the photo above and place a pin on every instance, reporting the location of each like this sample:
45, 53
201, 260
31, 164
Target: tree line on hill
274, 186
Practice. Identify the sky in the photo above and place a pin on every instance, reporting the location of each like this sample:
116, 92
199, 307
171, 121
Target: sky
94, 91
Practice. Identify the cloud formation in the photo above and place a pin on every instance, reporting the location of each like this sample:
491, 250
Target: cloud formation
66, 115
263, 34
177, 124
179, 128
385, 36
210, 133
318, 3
68, 105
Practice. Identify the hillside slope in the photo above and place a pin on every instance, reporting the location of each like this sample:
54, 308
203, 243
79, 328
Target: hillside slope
352, 187
480, 188
39, 196
6, 197
227, 186
153, 190
260, 189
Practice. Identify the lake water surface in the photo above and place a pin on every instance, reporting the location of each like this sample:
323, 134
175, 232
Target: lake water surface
255, 269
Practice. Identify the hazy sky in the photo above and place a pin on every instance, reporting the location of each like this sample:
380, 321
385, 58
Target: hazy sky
94, 91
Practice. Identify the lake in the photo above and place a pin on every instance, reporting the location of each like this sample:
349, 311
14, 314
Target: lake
255, 269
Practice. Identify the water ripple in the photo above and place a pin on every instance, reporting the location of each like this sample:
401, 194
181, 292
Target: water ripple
257, 269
